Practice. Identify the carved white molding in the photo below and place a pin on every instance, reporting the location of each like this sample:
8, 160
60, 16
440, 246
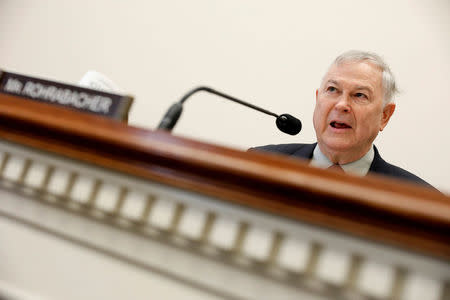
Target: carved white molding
244, 247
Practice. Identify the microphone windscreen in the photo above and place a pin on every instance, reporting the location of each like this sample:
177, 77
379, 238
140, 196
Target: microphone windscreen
288, 124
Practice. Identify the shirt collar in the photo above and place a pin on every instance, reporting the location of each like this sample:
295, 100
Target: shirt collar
358, 167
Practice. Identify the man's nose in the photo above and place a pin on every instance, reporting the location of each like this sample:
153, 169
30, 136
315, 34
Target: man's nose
343, 103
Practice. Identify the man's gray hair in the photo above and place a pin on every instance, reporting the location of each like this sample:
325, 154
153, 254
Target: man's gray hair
389, 86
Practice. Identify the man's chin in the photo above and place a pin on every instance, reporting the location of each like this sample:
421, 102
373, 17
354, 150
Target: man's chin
337, 145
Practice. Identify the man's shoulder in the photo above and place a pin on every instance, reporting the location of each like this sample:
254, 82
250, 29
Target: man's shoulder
300, 150
380, 166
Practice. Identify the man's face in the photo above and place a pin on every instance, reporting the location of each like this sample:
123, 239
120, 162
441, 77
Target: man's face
349, 110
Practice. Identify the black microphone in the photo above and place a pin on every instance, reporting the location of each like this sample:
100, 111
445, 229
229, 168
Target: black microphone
285, 122
288, 124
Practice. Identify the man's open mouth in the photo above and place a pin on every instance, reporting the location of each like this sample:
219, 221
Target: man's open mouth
339, 125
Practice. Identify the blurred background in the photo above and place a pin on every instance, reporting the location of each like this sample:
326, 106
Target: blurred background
270, 53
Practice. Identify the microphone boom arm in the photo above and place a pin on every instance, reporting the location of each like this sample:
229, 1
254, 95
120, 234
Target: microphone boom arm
212, 91
284, 122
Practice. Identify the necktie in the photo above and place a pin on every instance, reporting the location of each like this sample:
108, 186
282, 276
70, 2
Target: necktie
336, 168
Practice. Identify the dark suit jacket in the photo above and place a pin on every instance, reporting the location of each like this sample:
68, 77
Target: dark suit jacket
378, 166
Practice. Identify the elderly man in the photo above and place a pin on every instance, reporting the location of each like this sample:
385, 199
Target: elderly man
353, 104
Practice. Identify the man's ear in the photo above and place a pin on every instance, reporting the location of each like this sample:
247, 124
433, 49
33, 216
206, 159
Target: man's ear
388, 110
317, 93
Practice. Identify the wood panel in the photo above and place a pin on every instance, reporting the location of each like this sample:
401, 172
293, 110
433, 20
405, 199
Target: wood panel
393, 212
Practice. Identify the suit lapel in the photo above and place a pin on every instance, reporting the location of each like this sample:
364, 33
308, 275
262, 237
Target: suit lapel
378, 164
305, 151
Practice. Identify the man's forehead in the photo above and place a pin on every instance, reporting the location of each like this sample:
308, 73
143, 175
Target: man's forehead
357, 73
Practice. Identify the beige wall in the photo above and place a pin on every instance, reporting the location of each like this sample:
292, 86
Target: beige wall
272, 53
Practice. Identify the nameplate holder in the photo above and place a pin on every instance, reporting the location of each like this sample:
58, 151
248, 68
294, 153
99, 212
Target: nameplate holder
83, 99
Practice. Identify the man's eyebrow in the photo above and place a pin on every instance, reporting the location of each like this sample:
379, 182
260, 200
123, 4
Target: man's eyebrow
364, 87
332, 81
359, 87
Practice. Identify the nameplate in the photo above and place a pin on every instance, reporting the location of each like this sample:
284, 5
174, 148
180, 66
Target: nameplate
97, 102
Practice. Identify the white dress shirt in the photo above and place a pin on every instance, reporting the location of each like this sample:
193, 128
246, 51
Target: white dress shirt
358, 167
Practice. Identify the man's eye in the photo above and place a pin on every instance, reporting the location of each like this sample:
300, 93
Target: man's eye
361, 95
331, 89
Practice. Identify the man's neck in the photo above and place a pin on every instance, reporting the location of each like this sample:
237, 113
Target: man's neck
342, 157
